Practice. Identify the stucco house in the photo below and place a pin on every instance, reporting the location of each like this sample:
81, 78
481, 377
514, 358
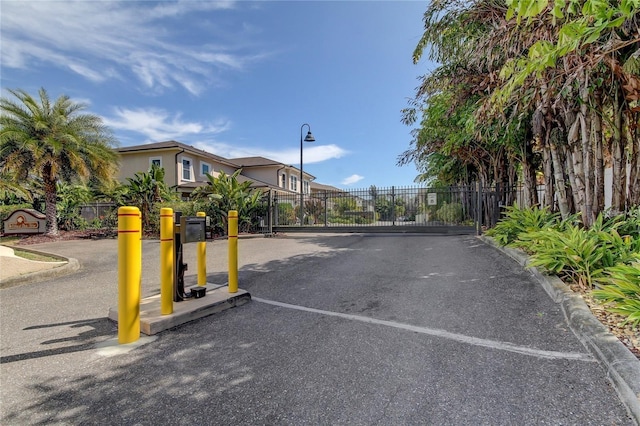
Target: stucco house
186, 168
284, 177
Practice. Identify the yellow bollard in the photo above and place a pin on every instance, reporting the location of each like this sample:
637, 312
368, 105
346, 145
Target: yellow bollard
166, 261
233, 251
129, 274
202, 258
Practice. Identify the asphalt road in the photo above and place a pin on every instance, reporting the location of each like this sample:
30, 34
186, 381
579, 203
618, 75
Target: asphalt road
350, 329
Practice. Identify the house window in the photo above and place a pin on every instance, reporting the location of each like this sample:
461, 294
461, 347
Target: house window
186, 169
305, 187
293, 183
205, 168
283, 181
157, 161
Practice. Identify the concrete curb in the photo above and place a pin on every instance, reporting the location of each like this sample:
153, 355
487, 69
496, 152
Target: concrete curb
71, 266
623, 368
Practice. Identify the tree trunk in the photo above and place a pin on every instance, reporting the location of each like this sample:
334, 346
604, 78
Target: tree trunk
619, 179
549, 192
530, 186
50, 198
558, 172
634, 175
598, 160
541, 125
575, 164
573, 193
587, 161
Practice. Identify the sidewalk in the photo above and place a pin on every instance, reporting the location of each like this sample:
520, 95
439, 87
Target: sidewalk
15, 270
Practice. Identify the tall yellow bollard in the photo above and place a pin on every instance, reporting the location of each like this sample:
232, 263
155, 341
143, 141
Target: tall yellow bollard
129, 274
202, 258
166, 261
233, 251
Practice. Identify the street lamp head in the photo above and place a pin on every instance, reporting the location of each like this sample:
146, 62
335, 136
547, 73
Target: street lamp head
309, 137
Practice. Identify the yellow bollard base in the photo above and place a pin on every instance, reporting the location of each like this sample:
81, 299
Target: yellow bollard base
217, 299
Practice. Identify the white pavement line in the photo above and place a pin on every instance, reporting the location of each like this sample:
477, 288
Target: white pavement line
492, 344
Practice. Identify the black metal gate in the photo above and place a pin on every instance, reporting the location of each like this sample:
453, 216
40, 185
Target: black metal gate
448, 210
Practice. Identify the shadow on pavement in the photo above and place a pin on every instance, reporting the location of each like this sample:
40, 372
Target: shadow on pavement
83, 341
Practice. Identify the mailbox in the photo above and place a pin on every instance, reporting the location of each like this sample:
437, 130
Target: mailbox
192, 229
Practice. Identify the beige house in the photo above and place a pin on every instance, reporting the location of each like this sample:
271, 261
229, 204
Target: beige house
186, 168
285, 178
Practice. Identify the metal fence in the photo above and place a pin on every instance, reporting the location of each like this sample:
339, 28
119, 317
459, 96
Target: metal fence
454, 209
393, 208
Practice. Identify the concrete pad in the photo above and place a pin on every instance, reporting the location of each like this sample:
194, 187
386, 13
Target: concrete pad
217, 299
111, 347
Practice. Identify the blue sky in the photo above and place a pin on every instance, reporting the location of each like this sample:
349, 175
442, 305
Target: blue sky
234, 78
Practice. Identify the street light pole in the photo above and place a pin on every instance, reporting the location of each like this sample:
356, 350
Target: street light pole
308, 138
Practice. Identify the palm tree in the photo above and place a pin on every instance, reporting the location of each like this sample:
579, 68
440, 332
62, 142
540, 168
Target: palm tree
145, 190
224, 192
53, 142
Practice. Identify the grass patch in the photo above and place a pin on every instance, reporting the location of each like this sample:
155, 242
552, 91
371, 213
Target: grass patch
34, 256
9, 240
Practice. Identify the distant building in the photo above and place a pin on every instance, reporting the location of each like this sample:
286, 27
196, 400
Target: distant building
186, 168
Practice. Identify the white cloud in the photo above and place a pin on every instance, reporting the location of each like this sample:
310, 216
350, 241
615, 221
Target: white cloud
315, 154
158, 125
352, 179
101, 40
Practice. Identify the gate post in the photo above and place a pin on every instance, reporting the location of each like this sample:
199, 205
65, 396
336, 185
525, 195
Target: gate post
270, 213
326, 210
479, 208
393, 205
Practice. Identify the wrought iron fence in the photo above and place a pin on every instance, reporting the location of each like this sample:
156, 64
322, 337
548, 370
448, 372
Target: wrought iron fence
379, 207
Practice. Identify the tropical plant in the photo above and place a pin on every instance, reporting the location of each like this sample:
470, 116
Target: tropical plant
314, 209
145, 190
70, 200
620, 288
223, 193
518, 220
286, 214
529, 86
384, 208
569, 254
13, 191
577, 254
629, 223
53, 142
450, 213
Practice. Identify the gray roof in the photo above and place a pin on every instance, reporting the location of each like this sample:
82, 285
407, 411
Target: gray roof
321, 187
262, 162
178, 146
255, 162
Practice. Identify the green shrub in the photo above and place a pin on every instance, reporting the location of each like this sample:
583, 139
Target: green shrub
450, 213
577, 254
629, 223
286, 214
571, 254
518, 220
620, 289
